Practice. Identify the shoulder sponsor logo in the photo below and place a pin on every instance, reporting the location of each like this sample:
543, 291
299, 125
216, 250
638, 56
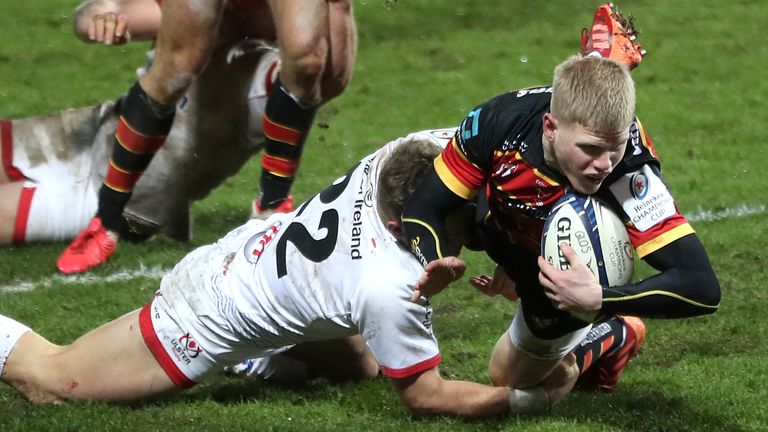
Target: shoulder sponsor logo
638, 186
255, 246
644, 198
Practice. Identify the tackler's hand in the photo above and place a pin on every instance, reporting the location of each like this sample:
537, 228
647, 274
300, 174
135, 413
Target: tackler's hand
109, 28
499, 284
576, 289
437, 276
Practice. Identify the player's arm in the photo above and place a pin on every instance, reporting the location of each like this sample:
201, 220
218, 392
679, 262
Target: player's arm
427, 393
686, 285
114, 22
453, 180
424, 225
425, 214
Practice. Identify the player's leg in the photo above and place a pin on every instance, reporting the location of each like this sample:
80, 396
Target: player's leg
184, 43
522, 360
601, 355
303, 37
11, 184
110, 363
346, 359
10, 194
612, 36
343, 49
338, 360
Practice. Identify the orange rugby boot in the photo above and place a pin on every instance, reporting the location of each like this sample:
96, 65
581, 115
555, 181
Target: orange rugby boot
605, 373
612, 36
259, 213
90, 248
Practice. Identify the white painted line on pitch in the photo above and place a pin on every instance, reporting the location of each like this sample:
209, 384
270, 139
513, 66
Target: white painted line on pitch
142, 272
702, 215
156, 272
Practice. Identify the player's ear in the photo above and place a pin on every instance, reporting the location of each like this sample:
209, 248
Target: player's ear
395, 227
549, 126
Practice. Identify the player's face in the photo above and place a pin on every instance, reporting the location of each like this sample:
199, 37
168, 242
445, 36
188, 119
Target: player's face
586, 157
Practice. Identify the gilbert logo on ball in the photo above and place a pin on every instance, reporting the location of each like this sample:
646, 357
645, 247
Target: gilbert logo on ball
596, 234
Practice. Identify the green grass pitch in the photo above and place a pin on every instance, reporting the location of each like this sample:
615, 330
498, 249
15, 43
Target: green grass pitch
422, 64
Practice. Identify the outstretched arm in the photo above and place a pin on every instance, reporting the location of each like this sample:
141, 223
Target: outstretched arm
686, 285
115, 22
429, 394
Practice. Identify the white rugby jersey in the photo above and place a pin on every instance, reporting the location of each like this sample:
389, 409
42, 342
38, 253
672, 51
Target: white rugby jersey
331, 269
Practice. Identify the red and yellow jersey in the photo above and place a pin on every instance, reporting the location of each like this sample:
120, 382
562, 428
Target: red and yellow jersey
498, 151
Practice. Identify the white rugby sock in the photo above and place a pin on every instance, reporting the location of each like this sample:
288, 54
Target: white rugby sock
10, 332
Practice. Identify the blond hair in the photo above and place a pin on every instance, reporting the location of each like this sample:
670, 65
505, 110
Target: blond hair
596, 93
401, 173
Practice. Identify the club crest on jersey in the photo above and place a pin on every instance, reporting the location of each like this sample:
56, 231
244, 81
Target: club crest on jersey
638, 185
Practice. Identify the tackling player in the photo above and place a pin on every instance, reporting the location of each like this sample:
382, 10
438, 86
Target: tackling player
318, 42
269, 285
518, 153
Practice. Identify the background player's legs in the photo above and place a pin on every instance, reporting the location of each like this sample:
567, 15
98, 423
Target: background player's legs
343, 49
9, 205
307, 54
110, 363
184, 44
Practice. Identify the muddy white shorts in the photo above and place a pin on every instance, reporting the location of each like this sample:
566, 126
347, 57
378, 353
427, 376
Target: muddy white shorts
60, 192
193, 328
546, 349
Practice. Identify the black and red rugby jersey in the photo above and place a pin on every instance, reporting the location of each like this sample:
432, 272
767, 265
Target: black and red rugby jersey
498, 149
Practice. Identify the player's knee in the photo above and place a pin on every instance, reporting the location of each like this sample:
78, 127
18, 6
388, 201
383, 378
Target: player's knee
499, 376
39, 377
499, 365
304, 59
334, 85
367, 369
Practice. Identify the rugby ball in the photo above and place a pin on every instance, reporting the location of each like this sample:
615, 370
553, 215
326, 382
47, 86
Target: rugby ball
596, 234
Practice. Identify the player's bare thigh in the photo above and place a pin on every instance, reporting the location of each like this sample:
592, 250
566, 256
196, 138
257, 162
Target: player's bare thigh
110, 363
185, 41
303, 37
338, 359
251, 18
9, 206
343, 40
511, 367
3, 176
